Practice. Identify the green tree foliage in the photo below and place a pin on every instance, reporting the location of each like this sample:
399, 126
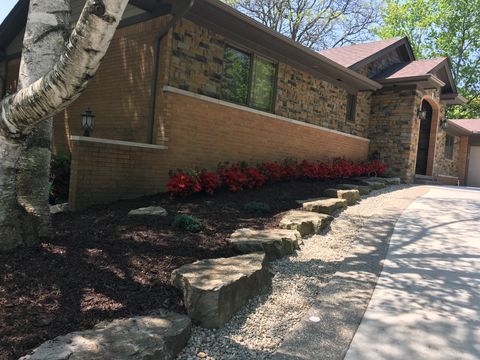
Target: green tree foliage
442, 28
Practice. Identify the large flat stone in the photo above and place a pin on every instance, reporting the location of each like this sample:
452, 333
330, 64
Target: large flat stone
325, 206
392, 181
149, 211
362, 189
160, 336
374, 183
305, 222
352, 196
214, 290
276, 243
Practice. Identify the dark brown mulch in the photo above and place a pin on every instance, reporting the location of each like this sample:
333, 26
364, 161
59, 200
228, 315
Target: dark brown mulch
102, 265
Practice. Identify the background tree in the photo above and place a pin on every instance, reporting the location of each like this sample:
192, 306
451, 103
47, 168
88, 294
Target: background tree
442, 28
23, 114
318, 24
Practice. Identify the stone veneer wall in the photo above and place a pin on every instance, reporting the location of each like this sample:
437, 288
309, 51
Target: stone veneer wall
393, 130
197, 65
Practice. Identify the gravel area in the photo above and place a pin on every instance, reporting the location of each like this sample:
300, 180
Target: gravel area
258, 329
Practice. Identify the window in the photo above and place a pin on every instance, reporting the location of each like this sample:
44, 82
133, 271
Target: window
351, 107
449, 143
248, 80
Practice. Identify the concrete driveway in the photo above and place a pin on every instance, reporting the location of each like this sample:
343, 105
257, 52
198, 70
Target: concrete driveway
426, 304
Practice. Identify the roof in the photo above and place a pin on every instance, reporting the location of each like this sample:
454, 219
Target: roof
353, 56
411, 69
244, 30
470, 125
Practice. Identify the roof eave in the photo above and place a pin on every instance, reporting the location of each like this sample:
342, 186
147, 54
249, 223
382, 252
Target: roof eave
428, 81
453, 99
457, 130
378, 54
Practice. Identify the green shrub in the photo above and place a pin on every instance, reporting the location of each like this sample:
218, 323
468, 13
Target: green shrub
187, 223
257, 208
59, 178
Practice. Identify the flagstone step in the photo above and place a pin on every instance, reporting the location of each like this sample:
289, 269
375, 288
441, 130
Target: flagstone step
362, 189
276, 243
159, 336
352, 196
305, 222
215, 289
391, 181
374, 183
327, 206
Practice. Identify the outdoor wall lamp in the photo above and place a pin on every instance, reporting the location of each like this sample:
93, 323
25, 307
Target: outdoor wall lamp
444, 123
422, 114
88, 122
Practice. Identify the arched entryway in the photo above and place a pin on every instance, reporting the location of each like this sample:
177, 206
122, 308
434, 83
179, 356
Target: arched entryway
424, 138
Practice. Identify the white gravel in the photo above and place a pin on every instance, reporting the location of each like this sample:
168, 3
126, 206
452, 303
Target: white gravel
260, 327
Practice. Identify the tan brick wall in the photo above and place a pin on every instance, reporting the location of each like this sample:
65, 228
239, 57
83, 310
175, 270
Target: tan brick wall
103, 173
197, 65
201, 134
119, 93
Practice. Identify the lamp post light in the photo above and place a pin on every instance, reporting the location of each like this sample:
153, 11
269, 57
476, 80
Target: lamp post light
422, 114
88, 122
444, 123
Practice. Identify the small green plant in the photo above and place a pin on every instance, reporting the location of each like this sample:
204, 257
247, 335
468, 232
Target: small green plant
257, 208
187, 223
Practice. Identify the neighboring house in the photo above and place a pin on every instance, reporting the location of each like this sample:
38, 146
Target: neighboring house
470, 128
222, 87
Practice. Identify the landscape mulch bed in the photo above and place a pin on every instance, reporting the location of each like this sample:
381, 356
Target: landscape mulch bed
101, 264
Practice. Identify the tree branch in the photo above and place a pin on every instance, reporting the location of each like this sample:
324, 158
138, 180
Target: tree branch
87, 46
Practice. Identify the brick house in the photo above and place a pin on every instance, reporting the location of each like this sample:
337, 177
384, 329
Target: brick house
193, 86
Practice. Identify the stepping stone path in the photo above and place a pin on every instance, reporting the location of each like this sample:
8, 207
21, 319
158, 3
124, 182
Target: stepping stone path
160, 336
362, 189
324, 205
149, 211
215, 289
391, 181
374, 183
305, 222
276, 243
352, 196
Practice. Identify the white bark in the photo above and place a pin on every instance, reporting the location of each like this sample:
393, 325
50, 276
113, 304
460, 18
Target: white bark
46, 32
21, 112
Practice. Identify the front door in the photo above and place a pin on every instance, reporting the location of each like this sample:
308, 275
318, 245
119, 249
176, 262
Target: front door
424, 140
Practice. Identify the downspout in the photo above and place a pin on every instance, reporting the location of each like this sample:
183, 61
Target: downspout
156, 59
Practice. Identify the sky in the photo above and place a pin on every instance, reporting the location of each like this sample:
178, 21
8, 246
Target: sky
5, 7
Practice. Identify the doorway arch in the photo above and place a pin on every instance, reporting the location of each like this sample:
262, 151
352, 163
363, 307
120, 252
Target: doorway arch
427, 137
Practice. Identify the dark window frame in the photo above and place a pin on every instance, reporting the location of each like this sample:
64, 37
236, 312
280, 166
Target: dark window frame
253, 55
449, 147
351, 112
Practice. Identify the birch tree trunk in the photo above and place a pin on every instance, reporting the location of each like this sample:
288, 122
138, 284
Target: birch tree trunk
23, 112
46, 33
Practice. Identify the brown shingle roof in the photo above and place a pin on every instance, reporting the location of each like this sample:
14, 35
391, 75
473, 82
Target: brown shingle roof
472, 125
410, 69
350, 55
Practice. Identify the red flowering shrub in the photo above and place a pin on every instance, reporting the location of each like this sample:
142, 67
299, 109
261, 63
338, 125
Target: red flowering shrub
254, 178
273, 171
183, 184
241, 176
232, 177
209, 181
